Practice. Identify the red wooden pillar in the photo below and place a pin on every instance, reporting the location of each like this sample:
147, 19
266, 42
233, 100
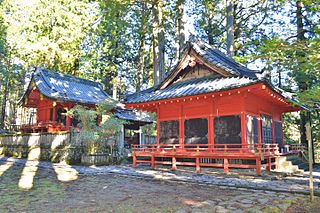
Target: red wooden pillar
211, 125
181, 131
134, 157
258, 166
158, 126
273, 133
269, 164
282, 134
198, 169
225, 165
210, 132
259, 131
153, 165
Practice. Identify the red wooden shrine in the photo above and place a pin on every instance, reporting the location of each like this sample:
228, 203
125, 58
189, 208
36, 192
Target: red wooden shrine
52, 94
212, 111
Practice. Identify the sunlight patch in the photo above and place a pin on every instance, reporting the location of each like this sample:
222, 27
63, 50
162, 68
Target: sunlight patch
31, 166
27, 175
57, 141
5, 167
65, 172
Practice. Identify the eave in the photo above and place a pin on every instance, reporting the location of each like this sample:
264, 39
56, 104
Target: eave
262, 89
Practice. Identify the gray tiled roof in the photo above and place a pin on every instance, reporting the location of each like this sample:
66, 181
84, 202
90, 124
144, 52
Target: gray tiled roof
69, 88
133, 115
190, 87
216, 57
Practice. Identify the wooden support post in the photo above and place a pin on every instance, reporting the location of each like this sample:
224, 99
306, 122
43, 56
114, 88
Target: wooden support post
153, 165
210, 133
174, 163
269, 164
134, 160
258, 166
198, 169
225, 165
134, 157
277, 161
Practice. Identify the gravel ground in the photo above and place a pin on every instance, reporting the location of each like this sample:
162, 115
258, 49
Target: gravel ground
29, 186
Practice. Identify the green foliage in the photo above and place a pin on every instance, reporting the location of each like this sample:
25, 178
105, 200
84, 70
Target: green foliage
250, 19
291, 128
95, 134
48, 33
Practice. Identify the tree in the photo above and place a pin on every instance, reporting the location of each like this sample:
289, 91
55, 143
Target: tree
48, 33
230, 27
142, 43
180, 4
247, 17
294, 50
158, 42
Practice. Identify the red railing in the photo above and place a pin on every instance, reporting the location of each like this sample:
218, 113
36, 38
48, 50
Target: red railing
208, 155
296, 148
207, 148
43, 126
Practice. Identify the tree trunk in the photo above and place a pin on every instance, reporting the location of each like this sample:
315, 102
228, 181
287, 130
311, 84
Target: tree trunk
158, 42
299, 16
302, 85
180, 27
155, 44
230, 27
162, 42
279, 79
4, 101
143, 30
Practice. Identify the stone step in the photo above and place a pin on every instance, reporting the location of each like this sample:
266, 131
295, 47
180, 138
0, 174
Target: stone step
304, 166
287, 164
282, 159
296, 161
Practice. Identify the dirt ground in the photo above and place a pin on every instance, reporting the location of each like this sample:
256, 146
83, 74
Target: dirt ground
114, 193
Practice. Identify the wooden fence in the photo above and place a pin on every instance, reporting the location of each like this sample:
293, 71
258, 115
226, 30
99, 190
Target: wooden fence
147, 139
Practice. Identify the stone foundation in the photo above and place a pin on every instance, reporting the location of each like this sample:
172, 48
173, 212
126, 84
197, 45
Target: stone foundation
54, 147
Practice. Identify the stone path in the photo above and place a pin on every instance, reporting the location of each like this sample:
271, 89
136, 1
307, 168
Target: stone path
273, 182
119, 193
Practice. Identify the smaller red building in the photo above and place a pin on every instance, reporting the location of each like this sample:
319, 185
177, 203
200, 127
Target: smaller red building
213, 111
52, 94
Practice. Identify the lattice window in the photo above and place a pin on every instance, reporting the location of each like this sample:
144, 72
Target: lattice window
169, 132
266, 129
278, 133
196, 131
227, 130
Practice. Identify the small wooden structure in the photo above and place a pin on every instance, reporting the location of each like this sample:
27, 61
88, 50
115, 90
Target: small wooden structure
212, 111
52, 94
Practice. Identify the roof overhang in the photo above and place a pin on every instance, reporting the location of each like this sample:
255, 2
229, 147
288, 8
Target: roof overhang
262, 89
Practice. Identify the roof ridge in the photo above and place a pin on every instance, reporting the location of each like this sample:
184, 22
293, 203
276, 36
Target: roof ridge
221, 54
70, 77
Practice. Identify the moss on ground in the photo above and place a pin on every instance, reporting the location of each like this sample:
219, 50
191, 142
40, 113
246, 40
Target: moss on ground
12, 199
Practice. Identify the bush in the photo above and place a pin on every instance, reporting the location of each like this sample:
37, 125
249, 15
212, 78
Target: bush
97, 127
